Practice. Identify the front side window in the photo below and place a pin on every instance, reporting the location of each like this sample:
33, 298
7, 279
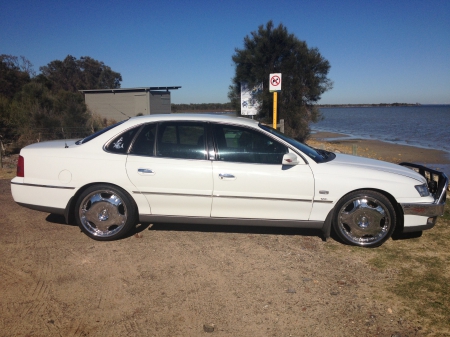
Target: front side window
181, 140
319, 156
237, 144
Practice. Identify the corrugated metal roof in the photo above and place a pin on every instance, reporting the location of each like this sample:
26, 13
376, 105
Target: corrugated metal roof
142, 89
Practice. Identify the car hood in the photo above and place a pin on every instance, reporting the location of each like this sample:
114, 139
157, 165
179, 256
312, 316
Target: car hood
354, 162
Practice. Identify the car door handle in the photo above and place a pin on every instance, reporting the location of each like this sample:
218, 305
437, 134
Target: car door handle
226, 176
145, 172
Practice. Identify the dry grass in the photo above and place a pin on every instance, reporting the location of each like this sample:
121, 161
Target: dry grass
8, 167
420, 275
419, 266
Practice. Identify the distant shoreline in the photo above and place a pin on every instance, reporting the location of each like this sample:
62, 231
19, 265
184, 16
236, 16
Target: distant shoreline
225, 107
366, 105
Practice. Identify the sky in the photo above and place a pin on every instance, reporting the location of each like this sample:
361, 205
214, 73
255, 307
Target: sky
379, 51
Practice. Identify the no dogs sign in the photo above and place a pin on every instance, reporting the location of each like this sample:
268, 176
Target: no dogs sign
275, 82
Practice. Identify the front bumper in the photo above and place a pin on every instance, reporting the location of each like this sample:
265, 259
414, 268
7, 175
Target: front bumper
437, 184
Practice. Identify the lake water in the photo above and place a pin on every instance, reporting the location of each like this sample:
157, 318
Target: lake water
426, 126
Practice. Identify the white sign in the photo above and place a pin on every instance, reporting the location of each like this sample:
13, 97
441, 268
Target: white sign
275, 82
249, 103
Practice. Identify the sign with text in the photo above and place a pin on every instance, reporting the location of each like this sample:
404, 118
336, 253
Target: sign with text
249, 102
275, 82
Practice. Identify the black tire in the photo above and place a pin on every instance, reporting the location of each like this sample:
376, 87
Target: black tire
364, 218
104, 212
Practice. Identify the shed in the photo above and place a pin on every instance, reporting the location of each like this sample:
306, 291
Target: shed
122, 103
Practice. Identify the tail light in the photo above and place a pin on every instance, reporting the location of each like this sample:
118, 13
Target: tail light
21, 167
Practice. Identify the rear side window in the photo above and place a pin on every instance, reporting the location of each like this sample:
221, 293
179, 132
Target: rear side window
121, 143
145, 142
182, 140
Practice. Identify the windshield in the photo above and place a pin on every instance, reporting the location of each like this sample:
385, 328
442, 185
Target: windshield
319, 156
98, 133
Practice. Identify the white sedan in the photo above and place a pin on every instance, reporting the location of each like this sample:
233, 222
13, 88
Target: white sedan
209, 169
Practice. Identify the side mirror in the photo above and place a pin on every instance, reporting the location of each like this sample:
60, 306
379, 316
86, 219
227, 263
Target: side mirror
290, 159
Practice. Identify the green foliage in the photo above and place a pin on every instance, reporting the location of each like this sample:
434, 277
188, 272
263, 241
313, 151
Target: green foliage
14, 73
203, 107
49, 105
71, 74
304, 76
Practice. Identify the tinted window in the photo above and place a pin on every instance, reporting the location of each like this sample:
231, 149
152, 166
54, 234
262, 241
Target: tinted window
319, 156
181, 140
244, 145
145, 141
98, 133
121, 143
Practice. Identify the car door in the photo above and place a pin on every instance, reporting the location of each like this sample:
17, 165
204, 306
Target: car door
250, 182
167, 163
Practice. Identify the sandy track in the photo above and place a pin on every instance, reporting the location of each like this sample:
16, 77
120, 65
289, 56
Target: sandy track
178, 280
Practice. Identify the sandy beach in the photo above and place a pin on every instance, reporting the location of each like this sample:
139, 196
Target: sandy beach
394, 153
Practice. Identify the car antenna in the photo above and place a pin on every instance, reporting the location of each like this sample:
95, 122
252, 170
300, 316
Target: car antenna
65, 143
119, 111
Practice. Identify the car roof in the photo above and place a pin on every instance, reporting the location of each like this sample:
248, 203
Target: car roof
220, 118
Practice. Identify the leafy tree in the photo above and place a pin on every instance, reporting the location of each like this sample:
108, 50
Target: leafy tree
304, 76
72, 74
14, 73
49, 106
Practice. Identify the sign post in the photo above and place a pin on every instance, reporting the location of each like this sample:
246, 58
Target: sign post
275, 86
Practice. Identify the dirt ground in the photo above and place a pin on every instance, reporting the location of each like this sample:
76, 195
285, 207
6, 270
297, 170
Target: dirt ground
186, 281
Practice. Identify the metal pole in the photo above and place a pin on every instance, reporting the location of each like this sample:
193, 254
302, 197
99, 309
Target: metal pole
275, 96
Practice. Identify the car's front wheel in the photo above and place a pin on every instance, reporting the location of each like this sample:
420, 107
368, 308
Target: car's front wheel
105, 213
364, 218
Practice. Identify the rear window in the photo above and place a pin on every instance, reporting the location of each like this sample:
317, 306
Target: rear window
98, 133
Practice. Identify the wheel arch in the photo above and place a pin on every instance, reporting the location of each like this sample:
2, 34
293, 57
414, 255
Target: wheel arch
69, 213
391, 198
399, 226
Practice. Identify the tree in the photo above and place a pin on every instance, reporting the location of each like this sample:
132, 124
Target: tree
49, 106
14, 73
72, 74
304, 76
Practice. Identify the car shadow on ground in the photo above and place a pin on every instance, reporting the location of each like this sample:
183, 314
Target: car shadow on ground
59, 219
227, 229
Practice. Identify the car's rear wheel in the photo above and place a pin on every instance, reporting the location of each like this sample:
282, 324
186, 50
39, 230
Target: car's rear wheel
105, 213
364, 218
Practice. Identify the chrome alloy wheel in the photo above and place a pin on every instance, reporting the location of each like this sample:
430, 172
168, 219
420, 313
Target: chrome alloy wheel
102, 213
364, 221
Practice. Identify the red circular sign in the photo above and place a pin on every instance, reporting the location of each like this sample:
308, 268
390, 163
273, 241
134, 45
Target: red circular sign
275, 80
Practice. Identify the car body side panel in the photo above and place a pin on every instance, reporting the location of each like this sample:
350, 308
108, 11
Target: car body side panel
173, 186
53, 177
262, 191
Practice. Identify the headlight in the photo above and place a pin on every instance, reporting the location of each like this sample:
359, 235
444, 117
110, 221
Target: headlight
423, 190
